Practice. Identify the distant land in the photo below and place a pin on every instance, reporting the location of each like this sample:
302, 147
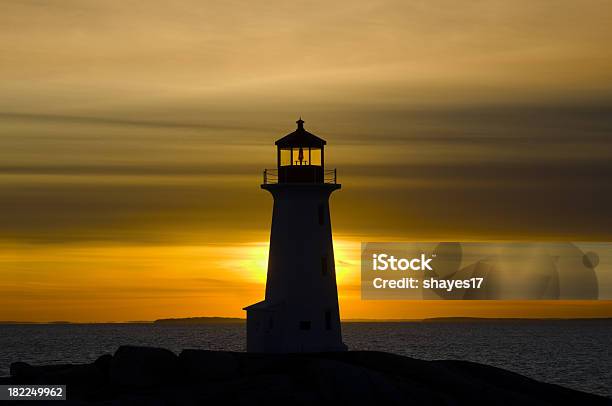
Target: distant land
238, 320
227, 320
506, 319
34, 322
201, 320
470, 320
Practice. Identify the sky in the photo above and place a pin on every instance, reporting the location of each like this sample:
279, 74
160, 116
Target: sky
133, 136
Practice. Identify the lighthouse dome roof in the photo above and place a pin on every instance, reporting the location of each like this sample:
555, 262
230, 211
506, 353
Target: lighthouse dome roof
300, 138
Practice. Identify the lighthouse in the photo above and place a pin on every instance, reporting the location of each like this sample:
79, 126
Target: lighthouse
300, 311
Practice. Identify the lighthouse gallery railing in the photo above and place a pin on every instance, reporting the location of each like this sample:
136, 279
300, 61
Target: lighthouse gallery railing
270, 176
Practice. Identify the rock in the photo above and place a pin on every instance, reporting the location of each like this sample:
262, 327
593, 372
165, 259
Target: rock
82, 378
22, 371
267, 389
515, 388
201, 365
144, 375
463, 382
103, 362
143, 367
86, 376
260, 364
349, 384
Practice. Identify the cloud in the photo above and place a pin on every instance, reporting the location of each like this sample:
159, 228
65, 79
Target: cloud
148, 124
64, 119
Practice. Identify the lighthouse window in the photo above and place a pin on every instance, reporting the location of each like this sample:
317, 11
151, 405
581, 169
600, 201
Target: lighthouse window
324, 265
315, 156
328, 320
321, 214
285, 157
305, 325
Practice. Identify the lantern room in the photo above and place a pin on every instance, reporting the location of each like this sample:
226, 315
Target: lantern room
300, 157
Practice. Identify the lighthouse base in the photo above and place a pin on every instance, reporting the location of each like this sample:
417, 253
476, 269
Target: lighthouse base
267, 332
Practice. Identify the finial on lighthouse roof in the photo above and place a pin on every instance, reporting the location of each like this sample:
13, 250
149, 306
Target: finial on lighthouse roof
300, 138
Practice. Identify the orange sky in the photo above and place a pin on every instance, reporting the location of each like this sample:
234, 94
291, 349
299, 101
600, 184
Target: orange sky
128, 283
133, 136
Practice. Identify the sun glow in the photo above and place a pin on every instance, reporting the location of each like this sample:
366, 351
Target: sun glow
141, 282
250, 260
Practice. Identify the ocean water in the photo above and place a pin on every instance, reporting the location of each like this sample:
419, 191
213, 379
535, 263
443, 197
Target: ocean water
575, 353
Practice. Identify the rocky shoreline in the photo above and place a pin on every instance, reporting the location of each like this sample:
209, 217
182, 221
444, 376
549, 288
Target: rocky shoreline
144, 375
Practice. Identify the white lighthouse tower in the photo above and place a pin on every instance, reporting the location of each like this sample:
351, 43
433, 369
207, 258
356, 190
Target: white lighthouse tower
300, 311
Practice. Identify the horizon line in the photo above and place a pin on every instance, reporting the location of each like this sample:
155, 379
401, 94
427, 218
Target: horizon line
349, 320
